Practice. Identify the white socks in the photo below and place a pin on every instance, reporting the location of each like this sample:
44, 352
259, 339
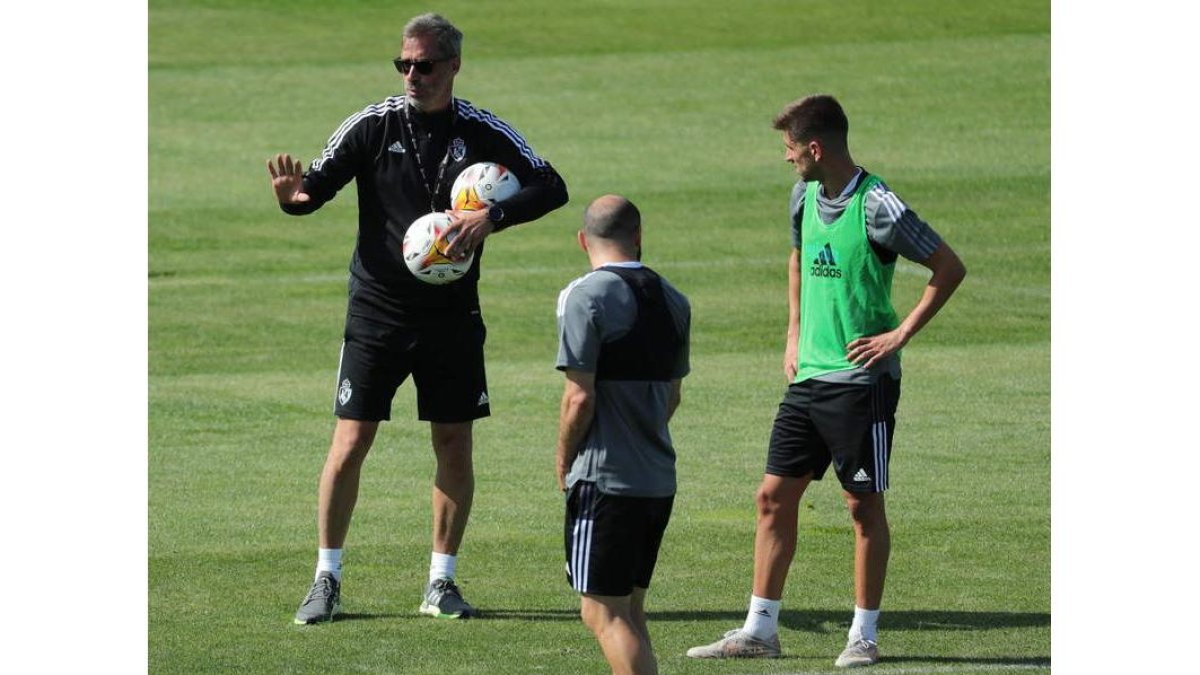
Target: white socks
442, 565
762, 619
864, 625
330, 560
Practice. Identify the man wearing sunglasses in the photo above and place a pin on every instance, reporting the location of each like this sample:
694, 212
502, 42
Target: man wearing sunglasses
404, 154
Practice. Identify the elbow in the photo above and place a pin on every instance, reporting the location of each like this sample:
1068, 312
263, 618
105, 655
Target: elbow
551, 187
581, 401
951, 272
959, 271
560, 196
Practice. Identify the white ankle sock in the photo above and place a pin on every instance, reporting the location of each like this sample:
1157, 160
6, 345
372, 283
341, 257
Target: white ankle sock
864, 626
442, 565
762, 619
330, 560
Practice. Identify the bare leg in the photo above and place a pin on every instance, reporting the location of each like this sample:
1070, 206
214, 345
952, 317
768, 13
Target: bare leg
337, 492
778, 502
626, 648
453, 484
872, 545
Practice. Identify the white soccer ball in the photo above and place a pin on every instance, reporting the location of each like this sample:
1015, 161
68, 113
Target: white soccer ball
482, 184
425, 252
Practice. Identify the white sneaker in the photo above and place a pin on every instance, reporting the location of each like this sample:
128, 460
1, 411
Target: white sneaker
858, 653
738, 644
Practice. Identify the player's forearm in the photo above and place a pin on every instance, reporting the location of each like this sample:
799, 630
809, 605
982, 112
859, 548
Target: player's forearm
574, 420
546, 193
793, 326
948, 272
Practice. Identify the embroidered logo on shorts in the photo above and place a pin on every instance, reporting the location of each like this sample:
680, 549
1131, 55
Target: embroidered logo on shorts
861, 476
458, 149
483, 399
345, 392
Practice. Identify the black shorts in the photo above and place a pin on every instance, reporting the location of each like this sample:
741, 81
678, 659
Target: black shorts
444, 358
850, 425
612, 541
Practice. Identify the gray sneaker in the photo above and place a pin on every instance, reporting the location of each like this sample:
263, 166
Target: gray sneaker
444, 601
858, 653
323, 601
738, 644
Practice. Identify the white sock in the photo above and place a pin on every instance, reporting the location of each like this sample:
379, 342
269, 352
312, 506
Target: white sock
864, 625
442, 566
330, 560
762, 619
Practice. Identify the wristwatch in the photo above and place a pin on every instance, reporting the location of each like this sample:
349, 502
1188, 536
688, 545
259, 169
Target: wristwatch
495, 214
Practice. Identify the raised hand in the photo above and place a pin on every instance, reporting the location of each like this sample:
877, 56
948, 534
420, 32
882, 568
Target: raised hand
287, 179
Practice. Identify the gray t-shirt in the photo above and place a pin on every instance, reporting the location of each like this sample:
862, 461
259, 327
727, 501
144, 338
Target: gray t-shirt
892, 227
628, 449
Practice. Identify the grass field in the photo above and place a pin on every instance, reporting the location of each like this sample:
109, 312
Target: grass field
670, 104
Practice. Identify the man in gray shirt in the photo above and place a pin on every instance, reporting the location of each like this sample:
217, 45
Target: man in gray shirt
623, 346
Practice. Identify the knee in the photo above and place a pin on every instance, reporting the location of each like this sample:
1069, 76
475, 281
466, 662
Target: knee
452, 439
588, 617
350, 445
867, 512
768, 501
452, 446
595, 618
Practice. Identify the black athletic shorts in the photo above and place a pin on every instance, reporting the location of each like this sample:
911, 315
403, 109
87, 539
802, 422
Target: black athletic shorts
612, 541
445, 359
850, 425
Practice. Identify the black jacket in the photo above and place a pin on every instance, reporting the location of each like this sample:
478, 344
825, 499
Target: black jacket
376, 148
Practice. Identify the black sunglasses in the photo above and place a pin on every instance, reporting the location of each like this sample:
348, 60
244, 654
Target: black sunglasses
423, 67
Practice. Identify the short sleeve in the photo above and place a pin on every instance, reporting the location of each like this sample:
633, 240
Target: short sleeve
896, 227
578, 328
796, 211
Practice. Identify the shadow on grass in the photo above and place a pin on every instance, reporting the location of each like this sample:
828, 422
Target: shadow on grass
486, 614
366, 616
825, 621
977, 661
804, 620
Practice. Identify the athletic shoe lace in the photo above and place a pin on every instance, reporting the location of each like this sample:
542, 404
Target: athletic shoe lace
447, 587
322, 589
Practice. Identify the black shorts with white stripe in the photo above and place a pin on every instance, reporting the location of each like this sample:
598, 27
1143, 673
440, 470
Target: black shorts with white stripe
612, 541
850, 425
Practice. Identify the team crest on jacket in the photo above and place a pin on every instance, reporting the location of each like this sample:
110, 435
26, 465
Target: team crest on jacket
458, 149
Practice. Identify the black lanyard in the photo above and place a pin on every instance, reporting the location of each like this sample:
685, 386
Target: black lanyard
412, 138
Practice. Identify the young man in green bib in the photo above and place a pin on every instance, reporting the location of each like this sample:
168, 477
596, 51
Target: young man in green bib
843, 363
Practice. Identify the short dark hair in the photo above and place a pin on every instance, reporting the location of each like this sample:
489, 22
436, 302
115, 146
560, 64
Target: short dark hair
449, 38
612, 217
817, 116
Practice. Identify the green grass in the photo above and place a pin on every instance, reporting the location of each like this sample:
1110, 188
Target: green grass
669, 103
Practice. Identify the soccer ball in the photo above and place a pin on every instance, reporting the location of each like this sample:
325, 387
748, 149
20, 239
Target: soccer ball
481, 185
425, 252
